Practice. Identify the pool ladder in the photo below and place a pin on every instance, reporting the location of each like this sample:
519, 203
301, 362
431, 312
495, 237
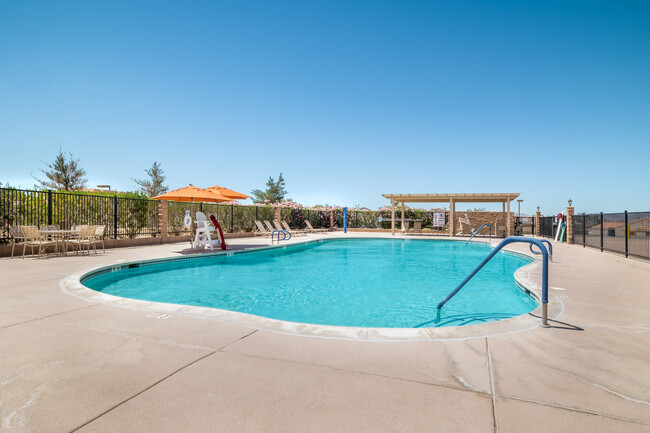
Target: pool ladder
513, 239
284, 234
479, 229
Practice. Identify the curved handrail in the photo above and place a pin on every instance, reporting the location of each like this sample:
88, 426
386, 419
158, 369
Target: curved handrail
479, 229
550, 248
284, 235
502, 244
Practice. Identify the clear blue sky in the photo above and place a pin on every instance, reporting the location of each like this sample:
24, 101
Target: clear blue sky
349, 99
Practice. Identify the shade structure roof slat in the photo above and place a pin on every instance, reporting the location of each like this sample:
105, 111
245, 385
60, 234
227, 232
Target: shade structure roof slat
458, 197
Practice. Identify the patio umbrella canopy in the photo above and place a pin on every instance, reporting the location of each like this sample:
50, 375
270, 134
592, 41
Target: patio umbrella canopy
193, 194
233, 195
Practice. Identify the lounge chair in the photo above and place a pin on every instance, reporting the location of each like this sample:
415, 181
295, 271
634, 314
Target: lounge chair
293, 232
17, 237
203, 236
313, 230
261, 230
269, 226
34, 239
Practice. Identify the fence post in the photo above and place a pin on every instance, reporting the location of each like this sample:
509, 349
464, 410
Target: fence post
569, 225
49, 207
331, 219
256, 207
584, 230
115, 216
626, 234
538, 216
232, 207
601, 232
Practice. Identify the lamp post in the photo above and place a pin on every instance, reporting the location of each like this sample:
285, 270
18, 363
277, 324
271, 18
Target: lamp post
519, 207
570, 202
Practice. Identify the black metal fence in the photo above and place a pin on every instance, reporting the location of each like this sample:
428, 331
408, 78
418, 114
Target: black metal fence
123, 217
626, 233
133, 217
547, 226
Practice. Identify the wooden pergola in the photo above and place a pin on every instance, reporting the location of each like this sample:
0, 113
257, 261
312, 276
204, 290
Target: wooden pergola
452, 199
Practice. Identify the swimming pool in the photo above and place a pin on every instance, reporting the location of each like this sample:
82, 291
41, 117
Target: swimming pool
370, 283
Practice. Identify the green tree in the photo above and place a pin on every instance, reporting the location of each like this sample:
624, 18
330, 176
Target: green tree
155, 184
274, 193
64, 173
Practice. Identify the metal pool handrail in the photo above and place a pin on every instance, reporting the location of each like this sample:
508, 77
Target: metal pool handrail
479, 229
550, 248
284, 235
502, 244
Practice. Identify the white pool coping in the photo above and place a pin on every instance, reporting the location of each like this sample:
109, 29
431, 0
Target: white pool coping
72, 285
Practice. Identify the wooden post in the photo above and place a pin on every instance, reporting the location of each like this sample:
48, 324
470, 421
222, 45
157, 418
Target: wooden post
452, 216
403, 227
508, 220
503, 213
392, 216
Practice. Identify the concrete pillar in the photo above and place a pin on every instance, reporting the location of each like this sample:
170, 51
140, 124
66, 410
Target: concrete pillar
569, 224
392, 216
277, 214
163, 218
538, 219
452, 217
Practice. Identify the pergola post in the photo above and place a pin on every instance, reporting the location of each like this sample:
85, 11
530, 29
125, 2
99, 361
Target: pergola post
503, 213
508, 220
402, 216
392, 216
452, 216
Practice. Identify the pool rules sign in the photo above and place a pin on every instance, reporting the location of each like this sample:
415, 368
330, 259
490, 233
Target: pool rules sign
439, 219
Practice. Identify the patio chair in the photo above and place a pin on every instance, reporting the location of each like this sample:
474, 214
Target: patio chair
294, 232
86, 238
100, 233
17, 237
261, 230
33, 239
313, 230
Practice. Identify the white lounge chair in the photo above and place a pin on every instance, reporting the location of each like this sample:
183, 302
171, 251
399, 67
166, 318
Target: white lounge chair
313, 230
203, 236
261, 230
293, 232
269, 226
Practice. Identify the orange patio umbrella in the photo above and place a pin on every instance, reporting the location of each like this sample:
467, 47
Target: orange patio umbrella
193, 194
232, 195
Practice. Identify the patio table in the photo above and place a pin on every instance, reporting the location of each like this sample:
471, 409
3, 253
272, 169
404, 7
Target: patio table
60, 237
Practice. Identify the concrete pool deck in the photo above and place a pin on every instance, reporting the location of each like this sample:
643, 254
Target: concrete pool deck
67, 364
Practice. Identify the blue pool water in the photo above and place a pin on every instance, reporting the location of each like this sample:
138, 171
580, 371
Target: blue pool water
386, 283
